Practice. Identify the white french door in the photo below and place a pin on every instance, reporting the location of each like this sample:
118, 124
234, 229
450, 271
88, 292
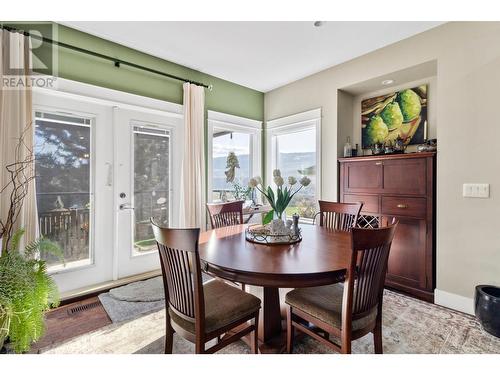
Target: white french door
147, 159
104, 168
74, 188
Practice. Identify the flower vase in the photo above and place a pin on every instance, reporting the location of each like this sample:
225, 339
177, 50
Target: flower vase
278, 225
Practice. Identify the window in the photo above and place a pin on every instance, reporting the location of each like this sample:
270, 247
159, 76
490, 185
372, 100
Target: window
151, 183
63, 185
293, 146
224, 143
234, 156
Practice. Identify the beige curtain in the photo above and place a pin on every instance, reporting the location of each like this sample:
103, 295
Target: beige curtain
192, 197
16, 117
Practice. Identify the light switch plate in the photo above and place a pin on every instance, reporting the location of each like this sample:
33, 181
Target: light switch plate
476, 190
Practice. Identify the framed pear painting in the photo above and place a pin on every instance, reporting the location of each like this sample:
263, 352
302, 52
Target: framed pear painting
400, 114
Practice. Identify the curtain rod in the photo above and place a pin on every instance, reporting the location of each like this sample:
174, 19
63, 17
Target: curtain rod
117, 62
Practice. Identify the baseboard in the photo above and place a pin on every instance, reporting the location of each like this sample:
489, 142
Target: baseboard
454, 301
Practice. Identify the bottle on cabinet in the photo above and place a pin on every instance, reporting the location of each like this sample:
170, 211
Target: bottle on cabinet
355, 151
348, 148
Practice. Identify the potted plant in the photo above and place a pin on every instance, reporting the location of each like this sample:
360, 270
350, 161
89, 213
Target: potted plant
26, 290
280, 200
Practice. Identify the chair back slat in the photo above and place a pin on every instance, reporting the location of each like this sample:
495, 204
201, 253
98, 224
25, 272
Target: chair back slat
180, 264
225, 214
339, 216
368, 267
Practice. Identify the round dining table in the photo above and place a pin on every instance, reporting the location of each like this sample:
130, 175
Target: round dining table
321, 258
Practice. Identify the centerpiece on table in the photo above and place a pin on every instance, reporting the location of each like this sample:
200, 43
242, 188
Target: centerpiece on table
274, 228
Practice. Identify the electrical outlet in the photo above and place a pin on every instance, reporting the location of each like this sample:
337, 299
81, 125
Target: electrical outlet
476, 190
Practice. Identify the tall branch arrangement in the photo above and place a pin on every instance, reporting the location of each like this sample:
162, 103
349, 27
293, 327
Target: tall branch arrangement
21, 173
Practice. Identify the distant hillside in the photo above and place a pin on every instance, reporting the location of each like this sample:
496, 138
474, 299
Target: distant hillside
294, 162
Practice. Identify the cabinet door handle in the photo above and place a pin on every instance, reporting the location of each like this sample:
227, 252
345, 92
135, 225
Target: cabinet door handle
378, 163
401, 205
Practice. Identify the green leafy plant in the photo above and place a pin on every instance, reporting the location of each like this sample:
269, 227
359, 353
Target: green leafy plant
26, 291
280, 200
241, 192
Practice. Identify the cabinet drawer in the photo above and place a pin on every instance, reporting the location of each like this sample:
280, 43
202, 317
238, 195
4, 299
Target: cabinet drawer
370, 202
404, 206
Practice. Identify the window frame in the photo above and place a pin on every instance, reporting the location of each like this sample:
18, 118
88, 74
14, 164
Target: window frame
288, 125
223, 121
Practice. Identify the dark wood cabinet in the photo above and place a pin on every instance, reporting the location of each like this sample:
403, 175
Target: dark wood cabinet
402, 187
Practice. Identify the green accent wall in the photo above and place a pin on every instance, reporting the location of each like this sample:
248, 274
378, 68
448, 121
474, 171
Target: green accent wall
226, 97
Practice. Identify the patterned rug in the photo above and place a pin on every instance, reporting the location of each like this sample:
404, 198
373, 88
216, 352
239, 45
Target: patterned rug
409, 326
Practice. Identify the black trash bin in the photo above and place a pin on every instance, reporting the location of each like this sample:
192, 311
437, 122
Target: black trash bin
487, 308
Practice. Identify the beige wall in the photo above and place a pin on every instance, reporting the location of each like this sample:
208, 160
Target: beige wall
468, 130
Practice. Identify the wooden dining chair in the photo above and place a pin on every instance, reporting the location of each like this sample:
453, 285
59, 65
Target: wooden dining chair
349, 310
338, 216
200, 312
225, 214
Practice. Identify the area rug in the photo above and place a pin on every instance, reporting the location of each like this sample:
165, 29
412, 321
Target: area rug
120, 311
135, 299
409, 326
149, 290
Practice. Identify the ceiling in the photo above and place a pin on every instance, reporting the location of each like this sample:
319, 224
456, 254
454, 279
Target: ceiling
259, 55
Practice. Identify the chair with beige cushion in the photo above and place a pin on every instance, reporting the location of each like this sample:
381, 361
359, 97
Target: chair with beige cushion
338, 216
349, 310
224, 215
200, 312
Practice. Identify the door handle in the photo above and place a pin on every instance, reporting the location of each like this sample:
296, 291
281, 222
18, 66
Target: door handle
402, 205
126, 206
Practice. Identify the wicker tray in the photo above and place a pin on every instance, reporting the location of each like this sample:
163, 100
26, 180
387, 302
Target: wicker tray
271, 239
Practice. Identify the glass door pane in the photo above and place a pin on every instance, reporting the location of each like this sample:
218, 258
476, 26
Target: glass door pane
63, 185
151, 184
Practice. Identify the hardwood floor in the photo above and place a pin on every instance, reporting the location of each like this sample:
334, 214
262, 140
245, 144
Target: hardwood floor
72, 320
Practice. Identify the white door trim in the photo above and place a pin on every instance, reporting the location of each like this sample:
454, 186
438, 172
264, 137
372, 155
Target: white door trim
101, 95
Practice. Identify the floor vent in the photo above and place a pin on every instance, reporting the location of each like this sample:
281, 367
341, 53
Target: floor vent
87, 306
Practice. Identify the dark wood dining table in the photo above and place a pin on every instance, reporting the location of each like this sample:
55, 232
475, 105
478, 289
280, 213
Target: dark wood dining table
321, 258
